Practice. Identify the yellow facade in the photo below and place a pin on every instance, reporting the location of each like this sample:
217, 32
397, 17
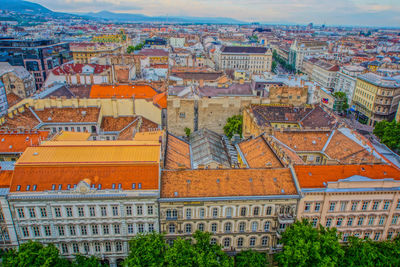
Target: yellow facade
364, 98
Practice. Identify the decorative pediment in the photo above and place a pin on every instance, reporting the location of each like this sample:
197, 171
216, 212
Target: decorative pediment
83, 186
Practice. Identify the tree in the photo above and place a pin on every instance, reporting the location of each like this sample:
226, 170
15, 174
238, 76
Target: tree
83, 261
182, 253
389, 134
130, 49
233, 126
187, 131
250, 258
273, 66
340, 102
146, 250
304, 245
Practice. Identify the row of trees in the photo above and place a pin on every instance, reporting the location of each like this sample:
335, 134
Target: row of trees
132, 48
389, 134
282, 62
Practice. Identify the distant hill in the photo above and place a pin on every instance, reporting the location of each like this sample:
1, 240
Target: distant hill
24, 7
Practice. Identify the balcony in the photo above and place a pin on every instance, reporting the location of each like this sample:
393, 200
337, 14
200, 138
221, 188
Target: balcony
285, 219
172, 218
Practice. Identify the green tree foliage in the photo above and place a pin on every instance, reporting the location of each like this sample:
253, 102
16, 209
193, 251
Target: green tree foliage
273, 66
389, 134
187, 131
132, 48
83, 261
304, 245
282, 62
251, 258
146, 250
233, 126
182, 253
340, 101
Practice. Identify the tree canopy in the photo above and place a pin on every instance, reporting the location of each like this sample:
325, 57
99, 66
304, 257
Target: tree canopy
341, 104
233, 126
251, 258
389, 134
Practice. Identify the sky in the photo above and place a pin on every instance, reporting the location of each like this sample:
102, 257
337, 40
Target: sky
329, 12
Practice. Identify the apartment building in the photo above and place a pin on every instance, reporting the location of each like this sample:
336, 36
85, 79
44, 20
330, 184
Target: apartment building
255, 60
346, 80
299, 50
95, 198
376, 98
17, 80
242, 208
359, 200
82, 53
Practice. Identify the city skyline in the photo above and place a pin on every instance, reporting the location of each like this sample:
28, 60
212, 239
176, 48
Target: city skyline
342, 12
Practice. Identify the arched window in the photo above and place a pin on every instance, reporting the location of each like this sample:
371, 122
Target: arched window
240, 242
188, 228
200, 227
264, 241
242, 226
228, 212
228, 227
213, 227
243, 211
267, 226
252, 242
227, 242
254, 226
269, 210
256, 211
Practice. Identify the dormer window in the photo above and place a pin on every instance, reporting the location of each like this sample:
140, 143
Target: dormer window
53, 187
28, 187
59, 186
140, 185
133, 185
99, 186
113, 186
18, 187
34, 187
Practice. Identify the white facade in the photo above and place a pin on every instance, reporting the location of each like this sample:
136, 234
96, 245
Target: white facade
177, 42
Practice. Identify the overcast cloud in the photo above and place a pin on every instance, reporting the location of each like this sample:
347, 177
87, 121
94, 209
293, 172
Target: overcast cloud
331, 12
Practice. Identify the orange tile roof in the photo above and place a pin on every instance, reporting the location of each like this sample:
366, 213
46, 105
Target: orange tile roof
258, 154
5, 178
111, 124
71, 136
177, 153
227, 183
12, 99
45, 176
25, 119
160, 100
303, 140
148, 125
15, 142
54, 115
314, 176
122, 91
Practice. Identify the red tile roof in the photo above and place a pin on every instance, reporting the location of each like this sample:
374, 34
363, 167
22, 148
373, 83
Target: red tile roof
77, 68
160, 100
314, 176
89, 114
122, 91
17, 142
5, 178
177, 153
12, 99
227, 183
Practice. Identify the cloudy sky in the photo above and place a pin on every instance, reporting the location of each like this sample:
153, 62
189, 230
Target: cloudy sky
331, 12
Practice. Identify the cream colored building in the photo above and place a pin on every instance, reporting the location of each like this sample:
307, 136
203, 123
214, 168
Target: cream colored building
359, 200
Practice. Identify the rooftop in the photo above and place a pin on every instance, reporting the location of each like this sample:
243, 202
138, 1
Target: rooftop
18, 141
244, 49
177, 153
122, 91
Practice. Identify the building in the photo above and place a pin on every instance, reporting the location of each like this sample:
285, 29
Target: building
376, 98
255, 60
346, 80
3, 100
82, 53
95, 198
301, 49
177, 42
17, 80
156, 56
38, 56
324, 74
359, 200
242, 208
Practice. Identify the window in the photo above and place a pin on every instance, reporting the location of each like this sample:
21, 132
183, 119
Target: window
68, 210
213, 227
339, 222
389, 235
171, 228
150, 210
32, 212
106, 229
21, 213
256, 211
267, 226
92, 211
107, 246
118, 246
43, 212
213, 241
182, 115
307, 207
365, 205
133, 185
314, 222
394, 219
345, 237
86, 247
128, 210
36, 230
228, 212
60, 229
117, 230
140, 227
343, 205
188, 213
375, 205
328, 222
188, 228
81, 213
139, 210
398, 204
317, 206
228, 227
377, 235
47, 230
95, 229
72, 230
386, 205
130, 228
75, 247
25, 231
83, 230
57, 212
115, 210
371, 220
332, 206
215, 212
97, 247
103, 210
254, 226
269, 210
140, 185
360, 221
240, 242
18, 187
201, 213
64, 248
366, 235
243, 211
252, 241
381, 220
354, 205
264, 241
200, 227
172, 214
151, 227
227, 242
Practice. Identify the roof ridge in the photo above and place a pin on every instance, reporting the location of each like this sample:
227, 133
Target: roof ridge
329, 140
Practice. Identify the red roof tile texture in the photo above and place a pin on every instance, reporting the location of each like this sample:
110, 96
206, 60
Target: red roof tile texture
227, 183
12, 99
17, 142
5, 178
89, 114
314, 176
78, 68
122, 91
177, 154
258, 154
